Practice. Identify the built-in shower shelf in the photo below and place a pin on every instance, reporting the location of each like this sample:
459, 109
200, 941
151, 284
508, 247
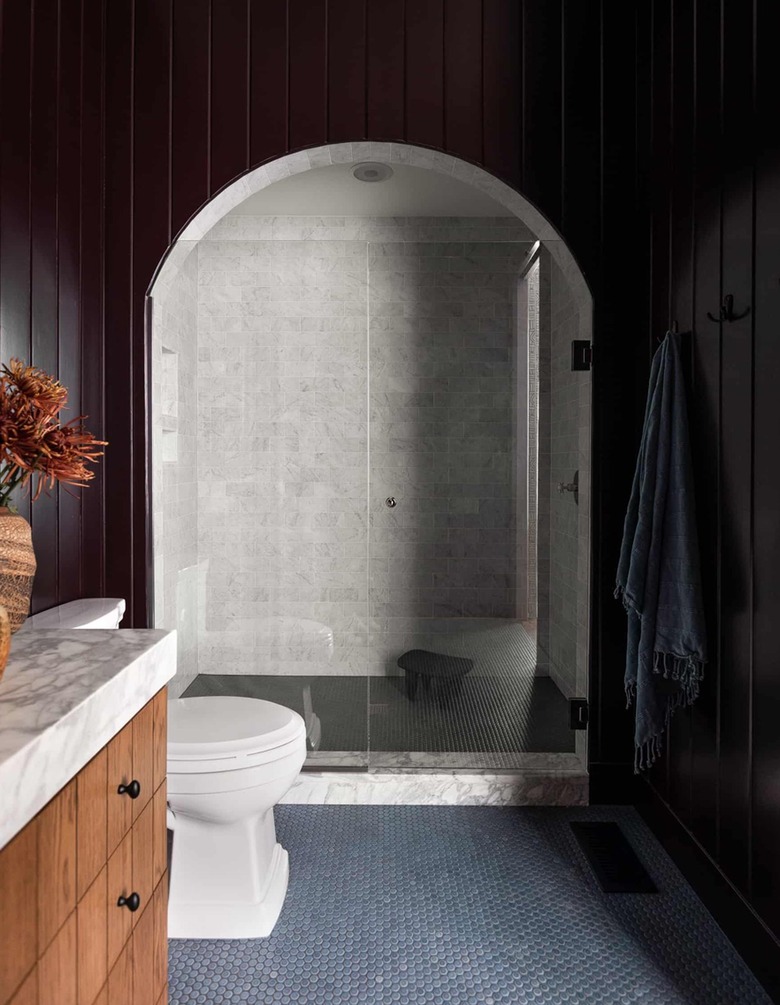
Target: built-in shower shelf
169, 423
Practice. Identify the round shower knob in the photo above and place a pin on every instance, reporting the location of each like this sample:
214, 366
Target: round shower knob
390, 502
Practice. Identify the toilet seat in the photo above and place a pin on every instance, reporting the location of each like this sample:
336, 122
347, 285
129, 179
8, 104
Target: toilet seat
220, 733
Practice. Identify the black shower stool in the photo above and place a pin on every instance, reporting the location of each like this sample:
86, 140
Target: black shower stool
441, 675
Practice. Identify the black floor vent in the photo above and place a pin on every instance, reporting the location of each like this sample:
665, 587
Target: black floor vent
612, 858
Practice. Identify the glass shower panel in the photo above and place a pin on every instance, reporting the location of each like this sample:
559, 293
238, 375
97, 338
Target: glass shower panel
282, 381
462, 382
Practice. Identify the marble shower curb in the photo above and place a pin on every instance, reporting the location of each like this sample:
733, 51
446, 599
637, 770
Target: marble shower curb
525, 788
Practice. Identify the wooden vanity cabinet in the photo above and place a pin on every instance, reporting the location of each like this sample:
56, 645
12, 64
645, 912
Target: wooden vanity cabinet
64, 937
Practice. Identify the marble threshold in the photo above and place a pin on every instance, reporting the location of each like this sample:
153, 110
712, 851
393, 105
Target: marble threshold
543, 780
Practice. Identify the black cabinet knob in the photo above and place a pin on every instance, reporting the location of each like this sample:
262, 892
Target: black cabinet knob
132, 789
132, 903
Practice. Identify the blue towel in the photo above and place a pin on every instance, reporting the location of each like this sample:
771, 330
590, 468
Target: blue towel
658, 575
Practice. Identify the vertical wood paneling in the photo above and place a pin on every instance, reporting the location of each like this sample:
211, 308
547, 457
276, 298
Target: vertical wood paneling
501, 87
736, 461
91, 289
150, 230
308, 72
424, 69
385, 69
269, 98
609, 114
15, 72
662, 154
542, 34
766, 529
44, 263
189, 109
681, 293
346, 70
229, 91
69, 585
618, 391
119, 307
463, 78
581, 125
706, 416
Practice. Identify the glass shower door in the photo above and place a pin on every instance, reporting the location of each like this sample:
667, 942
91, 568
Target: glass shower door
461, 463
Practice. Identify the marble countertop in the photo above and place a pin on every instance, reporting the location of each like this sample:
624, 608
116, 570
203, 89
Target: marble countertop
63, 696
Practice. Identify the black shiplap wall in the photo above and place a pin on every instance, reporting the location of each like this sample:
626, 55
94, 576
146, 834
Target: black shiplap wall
708, 85
645, 131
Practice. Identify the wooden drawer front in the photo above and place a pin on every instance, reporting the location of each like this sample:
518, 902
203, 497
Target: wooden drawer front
143, 757
63, 938
160, 729
57, 974
120, 772
120, 884
18, 910
28, 992
92, 918
56, 864
91, 817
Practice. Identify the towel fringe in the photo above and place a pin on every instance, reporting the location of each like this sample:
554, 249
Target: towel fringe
688, 671
647, 753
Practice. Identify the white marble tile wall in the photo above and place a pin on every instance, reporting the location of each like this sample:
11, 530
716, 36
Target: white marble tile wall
443, 377
282, 450
175, 502
283, 397
262, 526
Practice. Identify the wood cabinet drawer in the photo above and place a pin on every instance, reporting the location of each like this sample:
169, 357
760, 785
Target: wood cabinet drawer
120, 884
56, 877
57, 976
28, 992
64, 940
143, 757
18, 910
120, 981
143, 859
92, 927
120, 773
91, 807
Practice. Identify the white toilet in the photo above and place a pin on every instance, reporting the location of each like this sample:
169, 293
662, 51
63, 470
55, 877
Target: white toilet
230, 760
93, 612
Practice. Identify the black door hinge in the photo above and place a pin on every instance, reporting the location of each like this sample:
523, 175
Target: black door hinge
578, 713
581, 354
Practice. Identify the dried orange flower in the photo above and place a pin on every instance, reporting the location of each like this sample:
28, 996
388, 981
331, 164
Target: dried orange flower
33, 443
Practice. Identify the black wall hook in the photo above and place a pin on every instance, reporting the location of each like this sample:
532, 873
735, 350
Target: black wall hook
673, 329
726, 312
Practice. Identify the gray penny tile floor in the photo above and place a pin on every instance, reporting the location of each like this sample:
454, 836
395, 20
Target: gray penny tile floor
423, 905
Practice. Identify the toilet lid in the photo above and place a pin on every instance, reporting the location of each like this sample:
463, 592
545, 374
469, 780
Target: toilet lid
214, 726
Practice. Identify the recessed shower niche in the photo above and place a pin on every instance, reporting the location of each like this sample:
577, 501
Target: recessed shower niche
339, 345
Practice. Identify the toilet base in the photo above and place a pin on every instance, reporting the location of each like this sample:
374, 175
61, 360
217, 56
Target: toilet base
192, 920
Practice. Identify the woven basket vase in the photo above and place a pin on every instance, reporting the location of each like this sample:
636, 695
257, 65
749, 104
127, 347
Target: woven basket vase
17, 571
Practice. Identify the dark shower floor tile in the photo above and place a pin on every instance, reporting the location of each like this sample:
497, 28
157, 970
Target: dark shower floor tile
517, 713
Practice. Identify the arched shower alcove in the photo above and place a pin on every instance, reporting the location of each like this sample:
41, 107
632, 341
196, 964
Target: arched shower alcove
282, 428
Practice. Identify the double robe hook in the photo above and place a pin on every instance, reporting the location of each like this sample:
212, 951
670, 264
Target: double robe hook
726, 312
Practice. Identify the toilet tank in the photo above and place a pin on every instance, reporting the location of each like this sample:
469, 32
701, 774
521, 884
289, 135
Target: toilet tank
93, 612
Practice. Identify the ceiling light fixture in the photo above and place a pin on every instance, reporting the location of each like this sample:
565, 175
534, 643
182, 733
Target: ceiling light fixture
372, 171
